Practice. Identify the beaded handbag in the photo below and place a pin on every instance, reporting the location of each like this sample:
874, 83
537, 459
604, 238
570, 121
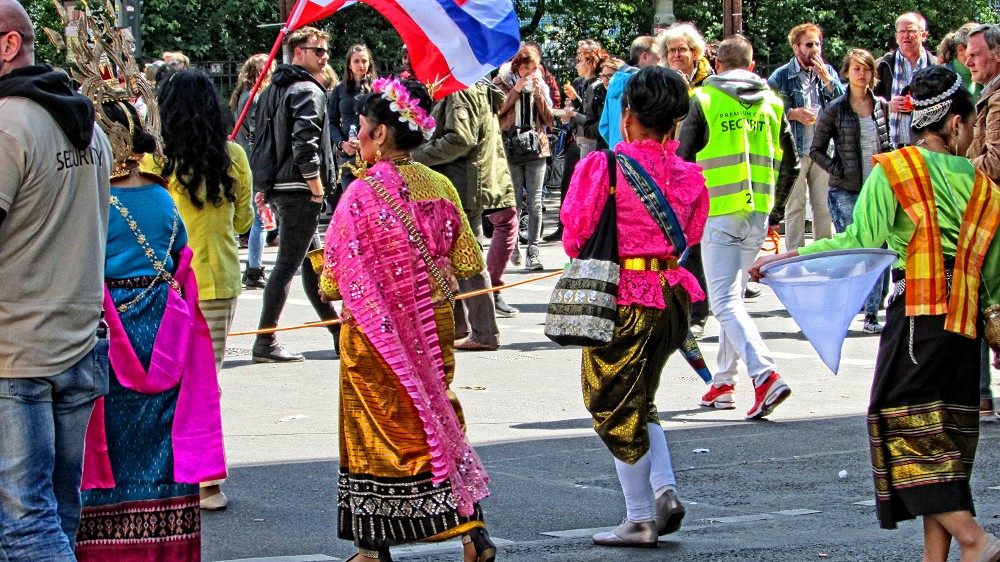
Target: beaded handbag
584, 304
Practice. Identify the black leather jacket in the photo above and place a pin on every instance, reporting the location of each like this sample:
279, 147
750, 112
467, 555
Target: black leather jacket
294, 107
841, 124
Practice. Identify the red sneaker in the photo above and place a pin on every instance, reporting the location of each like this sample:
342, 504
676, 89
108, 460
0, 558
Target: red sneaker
768, 395
720, 397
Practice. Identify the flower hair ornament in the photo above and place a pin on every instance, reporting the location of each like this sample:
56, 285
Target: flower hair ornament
407, 107
931, 110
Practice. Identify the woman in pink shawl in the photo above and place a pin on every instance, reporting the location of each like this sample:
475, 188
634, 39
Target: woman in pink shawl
394, 248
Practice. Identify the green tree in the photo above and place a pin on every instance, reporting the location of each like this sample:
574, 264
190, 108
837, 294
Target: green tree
558, 25
208, 29
43, 14
846, 24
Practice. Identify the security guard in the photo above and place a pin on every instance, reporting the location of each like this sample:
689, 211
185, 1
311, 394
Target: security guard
737, 132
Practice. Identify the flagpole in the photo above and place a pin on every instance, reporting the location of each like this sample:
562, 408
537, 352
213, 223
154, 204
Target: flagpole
288, 26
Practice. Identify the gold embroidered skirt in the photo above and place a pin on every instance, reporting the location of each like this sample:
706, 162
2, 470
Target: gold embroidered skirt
923, 419
385, 494
620, 378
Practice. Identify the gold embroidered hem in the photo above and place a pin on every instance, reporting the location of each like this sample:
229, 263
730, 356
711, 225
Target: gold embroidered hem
620, 378
923, 420
386, 496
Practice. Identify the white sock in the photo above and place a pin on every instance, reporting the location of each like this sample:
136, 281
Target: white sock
634, 479
661, 474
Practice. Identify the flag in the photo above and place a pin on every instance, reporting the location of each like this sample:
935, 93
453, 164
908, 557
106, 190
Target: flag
824, 292
452, 43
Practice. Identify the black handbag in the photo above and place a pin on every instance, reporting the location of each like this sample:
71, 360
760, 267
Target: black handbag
584, 304
522, 145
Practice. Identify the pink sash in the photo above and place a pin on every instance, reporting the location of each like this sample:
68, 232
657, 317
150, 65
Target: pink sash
386, 289
182, 355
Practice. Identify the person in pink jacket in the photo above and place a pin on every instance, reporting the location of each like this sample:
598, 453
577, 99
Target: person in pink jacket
620, 378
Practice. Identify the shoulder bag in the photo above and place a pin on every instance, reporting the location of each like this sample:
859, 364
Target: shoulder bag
584, 303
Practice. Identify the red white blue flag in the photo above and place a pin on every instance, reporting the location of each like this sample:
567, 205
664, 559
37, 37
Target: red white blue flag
452, 43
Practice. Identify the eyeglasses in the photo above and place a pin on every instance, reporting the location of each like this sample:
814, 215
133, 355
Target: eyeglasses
911, 31
811, 44
607, 76
320, 51
678, 51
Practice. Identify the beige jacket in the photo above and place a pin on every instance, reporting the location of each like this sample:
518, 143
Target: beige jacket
985, 149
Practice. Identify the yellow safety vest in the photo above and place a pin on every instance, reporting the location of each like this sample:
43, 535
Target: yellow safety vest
743, 154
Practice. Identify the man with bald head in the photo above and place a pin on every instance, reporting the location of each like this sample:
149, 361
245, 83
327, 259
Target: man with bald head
55, 166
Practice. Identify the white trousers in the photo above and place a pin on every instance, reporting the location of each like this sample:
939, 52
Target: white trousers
728, 248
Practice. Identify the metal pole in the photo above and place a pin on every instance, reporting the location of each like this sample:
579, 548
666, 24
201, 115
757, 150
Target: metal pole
732, 17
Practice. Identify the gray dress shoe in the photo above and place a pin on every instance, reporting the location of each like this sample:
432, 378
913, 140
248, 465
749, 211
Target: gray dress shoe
629, 533
669, 513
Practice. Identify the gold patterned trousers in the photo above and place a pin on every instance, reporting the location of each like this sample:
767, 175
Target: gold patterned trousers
620, 378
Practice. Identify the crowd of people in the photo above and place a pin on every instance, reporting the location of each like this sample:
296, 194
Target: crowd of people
692, 155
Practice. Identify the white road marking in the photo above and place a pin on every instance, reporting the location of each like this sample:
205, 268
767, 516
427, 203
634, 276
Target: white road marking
866, 503
452, 546
795, 512
297, 558
739, 518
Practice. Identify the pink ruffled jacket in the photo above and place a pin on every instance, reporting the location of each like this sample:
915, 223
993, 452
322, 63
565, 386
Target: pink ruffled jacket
638, 234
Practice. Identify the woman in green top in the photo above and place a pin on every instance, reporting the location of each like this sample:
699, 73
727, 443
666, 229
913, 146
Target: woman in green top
923, 415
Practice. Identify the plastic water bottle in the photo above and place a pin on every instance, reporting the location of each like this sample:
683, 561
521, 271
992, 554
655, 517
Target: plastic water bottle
353, 134
267, 218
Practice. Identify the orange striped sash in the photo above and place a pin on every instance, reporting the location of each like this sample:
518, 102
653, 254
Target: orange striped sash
979, 224
926, 289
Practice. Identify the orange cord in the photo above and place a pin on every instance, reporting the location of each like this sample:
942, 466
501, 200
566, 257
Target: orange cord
773, 238
324, 323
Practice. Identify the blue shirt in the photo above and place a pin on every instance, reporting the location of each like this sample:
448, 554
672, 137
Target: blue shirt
153, 211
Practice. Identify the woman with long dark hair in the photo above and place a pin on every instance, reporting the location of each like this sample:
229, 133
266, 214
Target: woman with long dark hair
940, 215
253, 275
620, 378
407, 472
210, 181
342, 107
158, 432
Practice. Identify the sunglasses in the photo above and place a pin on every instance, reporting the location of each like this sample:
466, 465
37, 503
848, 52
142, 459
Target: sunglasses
320, 51
811, 44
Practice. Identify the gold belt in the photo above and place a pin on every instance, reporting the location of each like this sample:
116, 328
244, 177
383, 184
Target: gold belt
648, 264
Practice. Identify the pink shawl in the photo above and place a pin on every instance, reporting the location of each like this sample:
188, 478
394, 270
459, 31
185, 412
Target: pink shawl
386, 288
182, 355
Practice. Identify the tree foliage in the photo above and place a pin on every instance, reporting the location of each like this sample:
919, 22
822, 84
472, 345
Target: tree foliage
558, 25
230, 29
848, 23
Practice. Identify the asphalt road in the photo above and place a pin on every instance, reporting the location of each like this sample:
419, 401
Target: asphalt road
764, 490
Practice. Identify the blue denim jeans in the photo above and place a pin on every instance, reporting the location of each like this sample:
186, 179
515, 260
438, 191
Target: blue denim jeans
841, 204
43, 422
255, 241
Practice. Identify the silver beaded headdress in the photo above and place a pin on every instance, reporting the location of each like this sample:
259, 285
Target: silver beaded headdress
931, 110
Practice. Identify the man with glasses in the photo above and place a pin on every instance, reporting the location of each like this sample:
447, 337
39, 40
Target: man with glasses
983, 61
896, 69
290, 159
806, 85
55, 168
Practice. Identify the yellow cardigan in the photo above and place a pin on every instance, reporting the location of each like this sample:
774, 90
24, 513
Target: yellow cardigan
212, 230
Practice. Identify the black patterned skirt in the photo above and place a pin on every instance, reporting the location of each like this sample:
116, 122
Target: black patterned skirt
923, 418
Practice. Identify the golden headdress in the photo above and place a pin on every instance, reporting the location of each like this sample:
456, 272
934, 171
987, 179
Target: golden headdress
104, 65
